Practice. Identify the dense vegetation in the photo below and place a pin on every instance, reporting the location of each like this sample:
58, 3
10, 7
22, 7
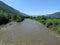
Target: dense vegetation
8, 14
6, 17
51, 23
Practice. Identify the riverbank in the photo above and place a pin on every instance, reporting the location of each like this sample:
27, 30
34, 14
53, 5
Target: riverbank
51, 23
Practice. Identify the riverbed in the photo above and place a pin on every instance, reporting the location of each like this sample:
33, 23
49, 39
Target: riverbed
28, 32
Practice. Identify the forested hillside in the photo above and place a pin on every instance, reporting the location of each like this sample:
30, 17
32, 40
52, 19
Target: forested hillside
8, 14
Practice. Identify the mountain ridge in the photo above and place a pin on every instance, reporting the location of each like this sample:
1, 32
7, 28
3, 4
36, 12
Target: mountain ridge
11, 9
56, 14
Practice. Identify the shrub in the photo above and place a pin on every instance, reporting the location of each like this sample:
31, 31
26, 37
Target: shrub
3, 19
56, 23
8, 16
43, 21
48, 24
20, 19
43, 18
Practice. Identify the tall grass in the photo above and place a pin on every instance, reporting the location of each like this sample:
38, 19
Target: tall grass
51, 23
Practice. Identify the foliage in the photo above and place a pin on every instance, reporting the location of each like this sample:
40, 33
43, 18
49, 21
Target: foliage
6, 17
49, 22
8, 14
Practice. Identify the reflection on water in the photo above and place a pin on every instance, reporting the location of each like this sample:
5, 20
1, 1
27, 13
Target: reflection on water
28, 32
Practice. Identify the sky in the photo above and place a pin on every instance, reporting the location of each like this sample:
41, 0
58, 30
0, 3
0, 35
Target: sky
35, 7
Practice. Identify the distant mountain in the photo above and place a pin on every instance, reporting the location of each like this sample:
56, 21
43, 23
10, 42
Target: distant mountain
10, 9
57, 15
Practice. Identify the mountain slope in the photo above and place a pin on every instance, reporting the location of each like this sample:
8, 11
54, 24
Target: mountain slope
57, 15
10, 9
8, 14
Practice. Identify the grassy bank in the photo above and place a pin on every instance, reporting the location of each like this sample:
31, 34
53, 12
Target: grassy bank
51, 23
6, 17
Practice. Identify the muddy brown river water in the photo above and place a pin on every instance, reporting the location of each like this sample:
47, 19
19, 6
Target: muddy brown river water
28, 32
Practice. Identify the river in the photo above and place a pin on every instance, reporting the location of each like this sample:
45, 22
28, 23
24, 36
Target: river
28, 32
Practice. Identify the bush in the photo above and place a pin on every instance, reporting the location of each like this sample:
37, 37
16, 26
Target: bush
56, 23
43, 18
43, 22
20, 19
48, 24
8, 16
3, 19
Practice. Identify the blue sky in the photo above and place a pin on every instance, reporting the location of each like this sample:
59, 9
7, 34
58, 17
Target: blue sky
35, 7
